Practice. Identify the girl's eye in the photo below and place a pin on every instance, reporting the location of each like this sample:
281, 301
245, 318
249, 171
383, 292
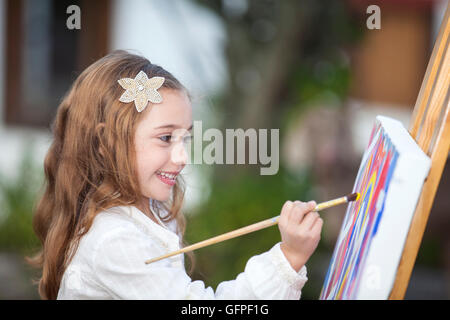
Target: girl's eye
168, 138
162, 138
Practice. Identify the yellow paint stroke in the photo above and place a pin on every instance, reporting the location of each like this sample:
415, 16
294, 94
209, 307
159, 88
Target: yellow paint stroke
371, 182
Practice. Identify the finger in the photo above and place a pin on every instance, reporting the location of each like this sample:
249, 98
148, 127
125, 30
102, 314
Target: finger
296, 212
309, 220
285, 212
317, 228
301, 210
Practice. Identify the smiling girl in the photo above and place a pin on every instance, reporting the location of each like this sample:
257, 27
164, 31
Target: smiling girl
114, 192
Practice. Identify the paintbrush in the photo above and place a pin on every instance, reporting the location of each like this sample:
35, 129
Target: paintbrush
254, 227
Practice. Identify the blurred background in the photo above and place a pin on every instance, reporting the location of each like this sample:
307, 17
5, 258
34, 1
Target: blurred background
311, 69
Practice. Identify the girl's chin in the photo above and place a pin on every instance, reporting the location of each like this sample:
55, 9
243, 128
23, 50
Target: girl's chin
161, 194
159, 191
161, 198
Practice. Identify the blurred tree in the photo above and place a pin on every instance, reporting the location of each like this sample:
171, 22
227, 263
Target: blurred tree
281, 55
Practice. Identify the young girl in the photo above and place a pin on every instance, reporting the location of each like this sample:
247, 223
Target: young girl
114, 191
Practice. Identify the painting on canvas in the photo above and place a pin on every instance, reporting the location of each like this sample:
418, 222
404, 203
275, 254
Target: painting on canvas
372, 236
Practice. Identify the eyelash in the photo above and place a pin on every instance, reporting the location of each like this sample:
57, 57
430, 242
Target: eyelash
163, 137
185, 138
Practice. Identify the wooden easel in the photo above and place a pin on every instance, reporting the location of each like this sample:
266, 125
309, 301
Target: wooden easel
430, 127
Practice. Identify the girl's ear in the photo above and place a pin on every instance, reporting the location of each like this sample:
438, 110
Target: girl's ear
99, 133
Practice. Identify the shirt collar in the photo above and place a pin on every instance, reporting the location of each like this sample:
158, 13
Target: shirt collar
151, 226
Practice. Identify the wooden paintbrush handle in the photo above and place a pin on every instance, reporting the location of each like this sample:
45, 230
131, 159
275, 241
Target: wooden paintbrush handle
229, 235
251, 228
329, 204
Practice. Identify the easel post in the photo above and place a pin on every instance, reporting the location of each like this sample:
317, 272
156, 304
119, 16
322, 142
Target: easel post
430, 127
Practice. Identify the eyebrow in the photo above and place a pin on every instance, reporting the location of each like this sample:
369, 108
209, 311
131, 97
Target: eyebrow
172, 126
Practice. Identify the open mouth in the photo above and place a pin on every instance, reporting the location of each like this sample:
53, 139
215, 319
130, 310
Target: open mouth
166, 177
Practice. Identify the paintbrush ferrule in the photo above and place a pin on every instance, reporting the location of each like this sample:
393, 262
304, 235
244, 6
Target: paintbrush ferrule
331, 203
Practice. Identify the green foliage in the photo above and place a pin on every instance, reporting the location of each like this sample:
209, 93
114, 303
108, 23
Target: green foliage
326, 79
17, 201
245, 200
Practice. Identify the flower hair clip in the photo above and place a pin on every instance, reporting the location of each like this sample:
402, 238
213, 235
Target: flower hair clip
141, 89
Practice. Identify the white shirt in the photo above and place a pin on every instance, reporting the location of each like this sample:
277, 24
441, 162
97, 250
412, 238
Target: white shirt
110, 264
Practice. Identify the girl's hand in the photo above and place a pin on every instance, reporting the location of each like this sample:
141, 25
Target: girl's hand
300, 229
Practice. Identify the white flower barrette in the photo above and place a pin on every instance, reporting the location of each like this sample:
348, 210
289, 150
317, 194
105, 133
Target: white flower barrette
141, 89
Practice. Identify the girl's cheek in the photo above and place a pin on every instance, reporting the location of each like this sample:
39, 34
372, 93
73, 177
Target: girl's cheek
158, 156
165, 156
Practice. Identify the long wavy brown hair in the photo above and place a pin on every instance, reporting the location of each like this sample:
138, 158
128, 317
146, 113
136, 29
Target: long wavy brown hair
90, 165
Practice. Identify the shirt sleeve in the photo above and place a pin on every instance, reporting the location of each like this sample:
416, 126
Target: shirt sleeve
119, 268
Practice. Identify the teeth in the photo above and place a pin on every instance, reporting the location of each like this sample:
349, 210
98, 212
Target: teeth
167, 175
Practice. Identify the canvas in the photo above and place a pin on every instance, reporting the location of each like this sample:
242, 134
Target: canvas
374, 230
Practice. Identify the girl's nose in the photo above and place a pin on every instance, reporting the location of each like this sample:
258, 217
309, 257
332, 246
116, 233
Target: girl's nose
179, 154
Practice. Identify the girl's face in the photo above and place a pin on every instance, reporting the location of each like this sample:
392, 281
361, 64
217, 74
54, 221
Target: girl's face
159, 143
